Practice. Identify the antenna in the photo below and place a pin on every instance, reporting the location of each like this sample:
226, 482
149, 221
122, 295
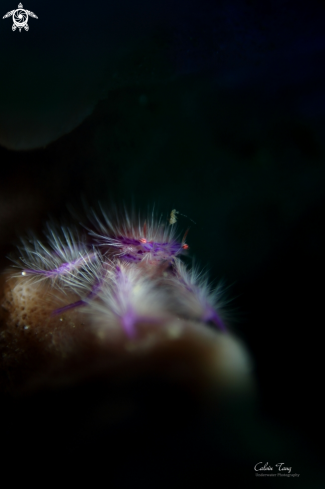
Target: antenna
173, 218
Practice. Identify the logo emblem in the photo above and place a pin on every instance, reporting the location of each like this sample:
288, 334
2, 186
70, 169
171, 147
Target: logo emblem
20, 18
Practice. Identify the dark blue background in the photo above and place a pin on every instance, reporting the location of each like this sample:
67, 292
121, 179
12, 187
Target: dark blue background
213, 108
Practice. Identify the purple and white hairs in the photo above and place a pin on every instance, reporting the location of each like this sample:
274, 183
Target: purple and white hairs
125, 270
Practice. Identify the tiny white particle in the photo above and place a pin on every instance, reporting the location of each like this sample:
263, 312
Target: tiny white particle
61, 319
101, 334
174, 331
24, 273
26, 327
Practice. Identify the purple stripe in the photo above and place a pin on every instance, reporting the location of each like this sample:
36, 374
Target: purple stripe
212, 315
61, 310
61, 270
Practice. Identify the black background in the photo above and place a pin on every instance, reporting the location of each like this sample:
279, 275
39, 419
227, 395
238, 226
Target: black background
215, 109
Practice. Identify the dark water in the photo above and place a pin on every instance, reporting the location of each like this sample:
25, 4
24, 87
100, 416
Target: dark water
216, 111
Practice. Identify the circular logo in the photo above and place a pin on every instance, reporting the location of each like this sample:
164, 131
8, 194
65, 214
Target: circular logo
20, 18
